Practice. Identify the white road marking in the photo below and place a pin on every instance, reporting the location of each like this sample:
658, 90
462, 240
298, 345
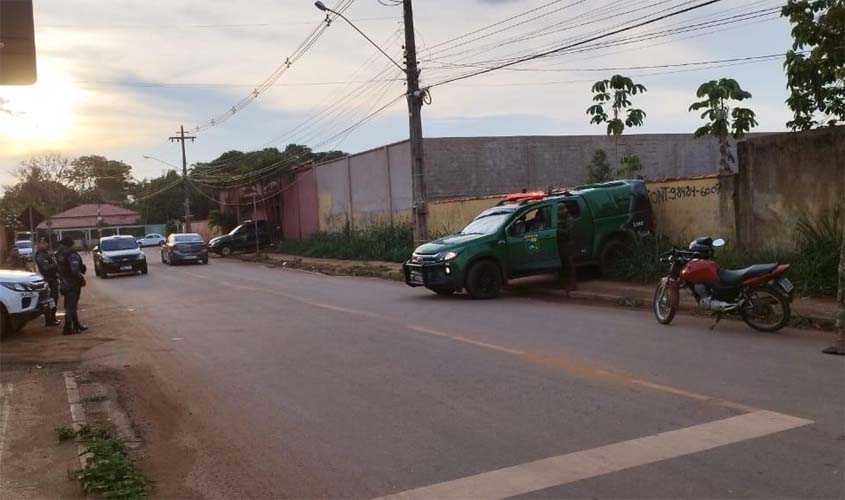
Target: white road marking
5, 409
564, 469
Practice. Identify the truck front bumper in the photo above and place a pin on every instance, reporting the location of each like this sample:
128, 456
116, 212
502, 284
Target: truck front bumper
441, 275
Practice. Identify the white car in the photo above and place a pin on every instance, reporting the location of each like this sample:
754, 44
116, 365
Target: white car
152, 239
23, 250
23, 296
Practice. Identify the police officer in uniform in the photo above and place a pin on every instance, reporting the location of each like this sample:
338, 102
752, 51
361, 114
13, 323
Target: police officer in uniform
72, 272
47, 267
566, 248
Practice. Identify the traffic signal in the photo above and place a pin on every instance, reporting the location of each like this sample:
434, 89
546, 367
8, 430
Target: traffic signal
17, 43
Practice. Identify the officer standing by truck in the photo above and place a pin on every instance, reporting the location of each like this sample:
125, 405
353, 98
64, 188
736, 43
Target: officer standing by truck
49, 270
72, 272
566, 248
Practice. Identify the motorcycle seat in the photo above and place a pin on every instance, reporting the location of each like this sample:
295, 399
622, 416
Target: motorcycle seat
737, 276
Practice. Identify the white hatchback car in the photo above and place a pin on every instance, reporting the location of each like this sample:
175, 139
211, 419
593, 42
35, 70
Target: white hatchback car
150, 240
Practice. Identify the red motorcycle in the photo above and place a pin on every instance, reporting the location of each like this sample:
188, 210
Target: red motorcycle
759, 294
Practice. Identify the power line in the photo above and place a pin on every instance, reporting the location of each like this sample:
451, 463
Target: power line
148, 27
268, 82
576, 44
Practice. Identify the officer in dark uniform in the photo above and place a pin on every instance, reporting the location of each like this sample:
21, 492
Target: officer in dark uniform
47, 267
566, 248
72, 272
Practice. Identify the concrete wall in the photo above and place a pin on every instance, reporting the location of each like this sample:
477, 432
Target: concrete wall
300, 205
447, 217
685, 209
369, 187
479, 166
783, 176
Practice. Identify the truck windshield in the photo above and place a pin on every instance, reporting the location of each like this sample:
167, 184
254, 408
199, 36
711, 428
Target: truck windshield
487, 223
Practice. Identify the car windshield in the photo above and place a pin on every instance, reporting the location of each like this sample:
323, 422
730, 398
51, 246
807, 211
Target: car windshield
23, 244
118, 244
487, 223
188, 238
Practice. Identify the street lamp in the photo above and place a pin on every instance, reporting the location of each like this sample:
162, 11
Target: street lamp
161, 161
322, 6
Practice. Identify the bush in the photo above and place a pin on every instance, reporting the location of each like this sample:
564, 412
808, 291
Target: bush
814, 261
388, 242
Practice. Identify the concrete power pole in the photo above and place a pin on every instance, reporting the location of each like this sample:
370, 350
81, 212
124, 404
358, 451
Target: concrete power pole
415, 102
182, 138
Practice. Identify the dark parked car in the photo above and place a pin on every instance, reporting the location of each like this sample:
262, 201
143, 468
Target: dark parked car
241, 238
118, 254
184, 247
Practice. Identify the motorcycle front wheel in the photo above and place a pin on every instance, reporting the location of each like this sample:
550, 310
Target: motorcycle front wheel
665, 302
766, 309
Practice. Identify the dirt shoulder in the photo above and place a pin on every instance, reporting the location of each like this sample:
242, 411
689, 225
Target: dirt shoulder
184, 440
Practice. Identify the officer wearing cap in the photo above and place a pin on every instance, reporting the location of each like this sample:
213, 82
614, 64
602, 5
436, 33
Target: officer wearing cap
47, 267
72, 271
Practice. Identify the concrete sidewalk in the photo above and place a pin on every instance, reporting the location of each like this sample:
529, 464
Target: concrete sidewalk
807, 312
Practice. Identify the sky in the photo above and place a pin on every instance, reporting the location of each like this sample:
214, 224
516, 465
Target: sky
118, 78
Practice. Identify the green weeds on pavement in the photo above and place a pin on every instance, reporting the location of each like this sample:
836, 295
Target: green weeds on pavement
109, 471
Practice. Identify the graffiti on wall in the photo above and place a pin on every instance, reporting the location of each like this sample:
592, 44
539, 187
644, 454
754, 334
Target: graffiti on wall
663, 194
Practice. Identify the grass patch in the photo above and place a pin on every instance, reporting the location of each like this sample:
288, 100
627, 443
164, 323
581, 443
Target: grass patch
65, 433
814, 260
386, 242
109, 471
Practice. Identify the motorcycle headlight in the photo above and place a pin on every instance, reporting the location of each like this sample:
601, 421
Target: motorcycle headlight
18, 287
446, 256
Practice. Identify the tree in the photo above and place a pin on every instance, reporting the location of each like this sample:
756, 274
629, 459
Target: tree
722, 119
616, 93
815, 66
99, 179
41, 182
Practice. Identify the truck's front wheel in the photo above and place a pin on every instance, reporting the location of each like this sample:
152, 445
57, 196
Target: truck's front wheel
484, 280
610, 256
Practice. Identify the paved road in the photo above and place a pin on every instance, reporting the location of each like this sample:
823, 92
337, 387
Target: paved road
354, 388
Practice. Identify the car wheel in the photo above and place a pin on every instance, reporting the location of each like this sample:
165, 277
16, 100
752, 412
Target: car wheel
5, 322
96, 271
205, 261
484, 280
144, 269
610, 255
226, 251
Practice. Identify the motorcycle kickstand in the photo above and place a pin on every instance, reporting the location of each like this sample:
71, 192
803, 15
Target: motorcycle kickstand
716, 322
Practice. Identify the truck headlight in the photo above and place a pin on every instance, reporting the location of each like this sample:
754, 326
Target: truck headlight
105, 259
446, 256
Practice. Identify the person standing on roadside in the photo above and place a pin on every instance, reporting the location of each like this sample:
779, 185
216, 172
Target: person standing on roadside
566, 248
47, 268
72, 272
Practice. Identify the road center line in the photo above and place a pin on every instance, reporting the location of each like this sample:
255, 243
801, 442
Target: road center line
571, 467
573, 365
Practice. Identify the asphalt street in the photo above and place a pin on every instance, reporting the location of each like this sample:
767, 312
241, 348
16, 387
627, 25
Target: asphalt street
369, 388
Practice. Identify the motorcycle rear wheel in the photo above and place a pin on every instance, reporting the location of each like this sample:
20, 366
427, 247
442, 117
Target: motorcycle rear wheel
665, 303
767, 310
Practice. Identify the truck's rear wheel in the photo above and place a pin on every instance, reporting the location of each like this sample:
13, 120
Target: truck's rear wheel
5, 322
610, 255
484, 280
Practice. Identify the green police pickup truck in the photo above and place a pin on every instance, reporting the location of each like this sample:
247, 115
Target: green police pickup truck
518, 237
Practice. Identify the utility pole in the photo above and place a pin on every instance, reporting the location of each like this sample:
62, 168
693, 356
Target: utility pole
415, 102
181, 138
